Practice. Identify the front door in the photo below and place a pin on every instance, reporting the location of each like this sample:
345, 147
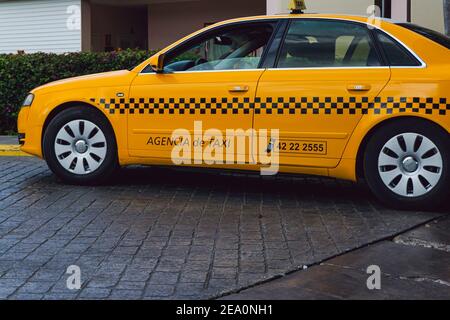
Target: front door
327, 76
209, 83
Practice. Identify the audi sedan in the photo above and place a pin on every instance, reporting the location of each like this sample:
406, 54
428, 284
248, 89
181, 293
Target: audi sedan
342, 97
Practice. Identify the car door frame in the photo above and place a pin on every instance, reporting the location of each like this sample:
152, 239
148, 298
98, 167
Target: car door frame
275, 51
278, 23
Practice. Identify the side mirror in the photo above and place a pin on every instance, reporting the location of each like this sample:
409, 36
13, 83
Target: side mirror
157, 63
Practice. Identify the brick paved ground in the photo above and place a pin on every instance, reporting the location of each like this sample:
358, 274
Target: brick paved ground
413, 266
170, 234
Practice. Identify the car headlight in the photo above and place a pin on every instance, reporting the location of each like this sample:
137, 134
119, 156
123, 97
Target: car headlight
28, 100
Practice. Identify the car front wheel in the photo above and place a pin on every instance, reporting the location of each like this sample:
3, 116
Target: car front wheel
79, 146
406, 164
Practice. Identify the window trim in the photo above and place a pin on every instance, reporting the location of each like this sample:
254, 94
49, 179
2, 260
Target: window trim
277, 24
374, 38
415, 55
370, 33
330, 68
285, 23
275, 44
409, 52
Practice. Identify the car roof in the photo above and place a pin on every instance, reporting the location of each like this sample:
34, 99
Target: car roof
363, 19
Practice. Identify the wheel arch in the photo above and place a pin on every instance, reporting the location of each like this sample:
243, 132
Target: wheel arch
378, 126
73, 104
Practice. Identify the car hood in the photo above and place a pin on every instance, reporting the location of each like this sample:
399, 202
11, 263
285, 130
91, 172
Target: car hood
106, 79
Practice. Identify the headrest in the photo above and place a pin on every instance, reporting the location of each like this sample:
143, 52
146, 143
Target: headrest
315, 51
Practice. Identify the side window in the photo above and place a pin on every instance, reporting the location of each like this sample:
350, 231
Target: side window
396, 54
230, 48
323, 43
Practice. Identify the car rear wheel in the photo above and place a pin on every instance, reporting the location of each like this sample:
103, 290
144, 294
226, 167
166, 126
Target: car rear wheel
79, 146
406, 164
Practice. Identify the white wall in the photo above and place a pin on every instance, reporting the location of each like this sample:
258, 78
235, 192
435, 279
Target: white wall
40, 25
400, 10
428, 13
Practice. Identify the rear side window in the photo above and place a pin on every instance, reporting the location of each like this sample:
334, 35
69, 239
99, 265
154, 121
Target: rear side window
435, 36
323, 43
396, 54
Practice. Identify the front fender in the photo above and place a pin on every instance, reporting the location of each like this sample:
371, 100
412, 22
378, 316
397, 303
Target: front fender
32, 122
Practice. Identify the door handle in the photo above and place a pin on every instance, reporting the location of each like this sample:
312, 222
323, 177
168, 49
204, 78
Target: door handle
359, 87
237, 89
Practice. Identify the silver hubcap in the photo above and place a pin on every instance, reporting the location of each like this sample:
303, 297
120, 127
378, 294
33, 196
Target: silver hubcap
80, 147
410, 165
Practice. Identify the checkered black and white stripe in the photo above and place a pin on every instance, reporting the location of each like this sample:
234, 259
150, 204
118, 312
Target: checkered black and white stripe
280, 105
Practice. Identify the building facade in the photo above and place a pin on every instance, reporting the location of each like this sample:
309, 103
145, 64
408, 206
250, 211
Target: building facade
103, 25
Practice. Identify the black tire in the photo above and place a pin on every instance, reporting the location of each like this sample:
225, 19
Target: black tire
109, 162
436, 194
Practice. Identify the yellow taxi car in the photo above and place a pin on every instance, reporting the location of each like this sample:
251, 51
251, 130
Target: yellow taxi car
352, 99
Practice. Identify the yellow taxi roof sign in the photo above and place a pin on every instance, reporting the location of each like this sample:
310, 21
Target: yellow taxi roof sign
297, 6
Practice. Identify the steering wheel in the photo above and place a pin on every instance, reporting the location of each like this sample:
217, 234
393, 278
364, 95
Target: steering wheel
200, 61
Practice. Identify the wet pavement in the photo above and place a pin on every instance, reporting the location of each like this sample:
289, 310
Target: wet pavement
415, 265
156, 233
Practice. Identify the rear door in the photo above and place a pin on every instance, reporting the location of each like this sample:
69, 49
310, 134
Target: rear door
326, 77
